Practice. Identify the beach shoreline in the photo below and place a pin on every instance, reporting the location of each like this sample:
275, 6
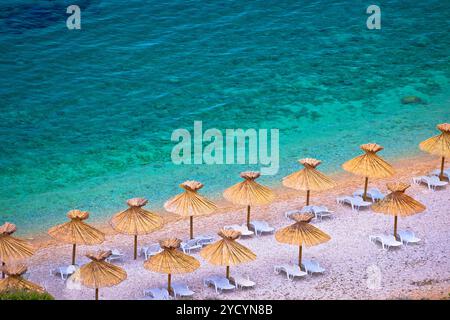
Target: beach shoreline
412, 272
422, 164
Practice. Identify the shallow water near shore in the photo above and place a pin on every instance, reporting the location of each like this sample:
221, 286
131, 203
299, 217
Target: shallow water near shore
87, 116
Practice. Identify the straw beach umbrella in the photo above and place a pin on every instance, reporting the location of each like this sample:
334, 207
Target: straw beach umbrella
189, 203
369, 165
249, 192
136, 221
76, 231
171, 261
100, 274
227, 251
15, 282
12, 248
301, 233
439, 145
397, 203
309, 178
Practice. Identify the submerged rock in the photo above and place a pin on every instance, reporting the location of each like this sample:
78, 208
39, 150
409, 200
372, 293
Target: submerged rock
411, 99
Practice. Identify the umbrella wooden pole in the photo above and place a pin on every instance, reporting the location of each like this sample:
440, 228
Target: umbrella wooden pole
365, 189
169, 283
441, 175
307, 197
3, 273
135, 246
96, 293
228, 272
395, 227
191, 227
248, 217
74, 251
300, 256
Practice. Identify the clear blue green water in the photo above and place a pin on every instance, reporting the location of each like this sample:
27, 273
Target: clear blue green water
87, 115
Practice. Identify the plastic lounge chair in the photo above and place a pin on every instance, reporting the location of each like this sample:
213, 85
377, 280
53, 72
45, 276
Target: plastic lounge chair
64, 271
261, 227
431, 181
219, 283
418, 180
204, 240
151, 250
356, 202
373, 193
312, 267
115, 255
376, 194
241, 228
386, 241
408, 237
182, 290
437, 172
241, 281
190, 245
291, 271
321, 212
157, 294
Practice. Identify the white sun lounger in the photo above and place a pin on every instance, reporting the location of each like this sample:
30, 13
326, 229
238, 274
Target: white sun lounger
312, 267
387, 241
408, 237
373, 193
291, 271
322, 212
150, 250
243, 229
115, 255
355, 202
432, 182
241, 281
319, 212
437, 172
204, 240
64, 271
220, 283
157, 294
182, 290
261, 227
190, 245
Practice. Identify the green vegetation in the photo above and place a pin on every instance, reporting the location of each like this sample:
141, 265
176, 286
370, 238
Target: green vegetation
25, 295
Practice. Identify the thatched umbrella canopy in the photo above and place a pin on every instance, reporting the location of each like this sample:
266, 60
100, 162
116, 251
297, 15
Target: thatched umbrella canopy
369, 165
15, 282
309, 178
397, 203
439, 145
76, 231
136, 221
100, 274
249, 192
171, 261
227, 251
12, 248
301, 233
189, 203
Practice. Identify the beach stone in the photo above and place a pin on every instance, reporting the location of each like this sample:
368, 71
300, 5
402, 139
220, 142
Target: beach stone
411, 99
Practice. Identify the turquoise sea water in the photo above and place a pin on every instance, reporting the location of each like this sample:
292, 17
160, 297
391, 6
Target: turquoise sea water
87, 115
